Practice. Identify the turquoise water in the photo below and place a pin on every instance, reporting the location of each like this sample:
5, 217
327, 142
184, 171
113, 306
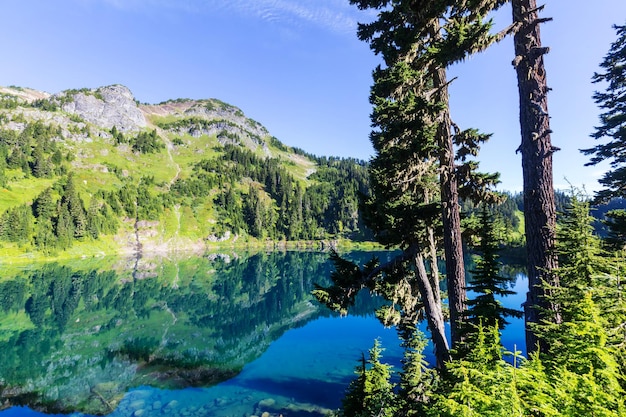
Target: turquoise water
275, 364
304, 372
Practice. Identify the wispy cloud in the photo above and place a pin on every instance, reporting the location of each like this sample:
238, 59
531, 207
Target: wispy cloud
329, 14
333, 15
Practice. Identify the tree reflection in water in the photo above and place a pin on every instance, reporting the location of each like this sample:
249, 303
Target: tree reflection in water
78, 340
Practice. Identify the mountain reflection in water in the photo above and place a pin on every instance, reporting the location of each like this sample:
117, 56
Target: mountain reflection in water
78, 340
205, 336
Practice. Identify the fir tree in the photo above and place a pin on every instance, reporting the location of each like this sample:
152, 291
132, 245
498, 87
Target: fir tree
480, 384
612, 129
580, 351
616, 223
613, 119
536, 149
487, 282
45, 239
16, 224
64, 228
371, 393
44, 206
40, 166
415, 181
418, 380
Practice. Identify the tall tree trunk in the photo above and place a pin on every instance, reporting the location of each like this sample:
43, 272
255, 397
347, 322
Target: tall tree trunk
452, 243
433, 311
536, 148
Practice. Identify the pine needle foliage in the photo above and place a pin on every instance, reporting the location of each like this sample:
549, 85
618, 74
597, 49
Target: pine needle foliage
371, 393
612, 126
487, 281
581, 355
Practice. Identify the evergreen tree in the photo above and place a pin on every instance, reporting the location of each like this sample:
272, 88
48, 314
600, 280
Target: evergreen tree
3, 164
371, 393
536, 150
94, 221
295, 214
415, 182
418, 380
254, 213
613, 119
75, 207
64, 229
616, 223
612, 129
487, 282
16, 224
480, 384
580, 351
109, 223
45, 239
44, 206
40, 166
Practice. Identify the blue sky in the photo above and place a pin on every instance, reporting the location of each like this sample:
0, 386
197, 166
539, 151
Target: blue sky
297, 67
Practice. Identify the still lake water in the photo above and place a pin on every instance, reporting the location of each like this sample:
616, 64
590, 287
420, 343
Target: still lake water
221, 335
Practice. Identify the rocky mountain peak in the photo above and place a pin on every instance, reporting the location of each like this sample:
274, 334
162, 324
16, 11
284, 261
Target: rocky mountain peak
105, 107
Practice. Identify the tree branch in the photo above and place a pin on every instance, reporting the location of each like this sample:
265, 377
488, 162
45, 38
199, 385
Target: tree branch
512, 29
406, 255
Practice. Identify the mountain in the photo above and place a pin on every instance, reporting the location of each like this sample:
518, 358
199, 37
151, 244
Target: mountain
93, 171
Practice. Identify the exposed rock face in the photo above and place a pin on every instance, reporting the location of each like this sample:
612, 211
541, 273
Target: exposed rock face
211, 117
107, 107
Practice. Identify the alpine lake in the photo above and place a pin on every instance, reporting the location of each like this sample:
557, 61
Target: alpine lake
223, 334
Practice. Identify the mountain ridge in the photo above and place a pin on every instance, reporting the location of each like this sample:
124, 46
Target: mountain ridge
178, 174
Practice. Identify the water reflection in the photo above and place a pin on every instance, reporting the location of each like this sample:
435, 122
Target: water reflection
77, 340
108, 338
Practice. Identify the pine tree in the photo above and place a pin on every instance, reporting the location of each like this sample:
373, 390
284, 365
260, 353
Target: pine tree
16, 224
616, 223
72, 201
418, 380
580, 354
371, 393
45, 238
40, 166
536, 149
414, 178
613, 119
487, 282
64, 228
480, 384
3, 164
94, 221
44, 206
613, 130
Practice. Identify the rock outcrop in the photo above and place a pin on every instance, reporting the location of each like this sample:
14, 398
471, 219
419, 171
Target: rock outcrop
210, 117
105, 107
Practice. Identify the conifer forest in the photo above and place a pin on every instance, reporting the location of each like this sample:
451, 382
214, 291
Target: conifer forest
187, 176
424, 181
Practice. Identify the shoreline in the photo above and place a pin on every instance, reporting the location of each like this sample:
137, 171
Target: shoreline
14, 256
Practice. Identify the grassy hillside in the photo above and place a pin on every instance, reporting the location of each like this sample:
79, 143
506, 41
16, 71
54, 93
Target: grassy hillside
92, 171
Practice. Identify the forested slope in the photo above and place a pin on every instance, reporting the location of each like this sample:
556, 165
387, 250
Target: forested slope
88, 171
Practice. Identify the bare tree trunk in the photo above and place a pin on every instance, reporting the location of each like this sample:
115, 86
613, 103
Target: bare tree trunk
434, 267
536, 148
452, 243
434, 313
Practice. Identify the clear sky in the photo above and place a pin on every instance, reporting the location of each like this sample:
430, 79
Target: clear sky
297, 67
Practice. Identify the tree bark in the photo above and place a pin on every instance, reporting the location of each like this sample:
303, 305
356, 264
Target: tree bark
433, 311
536, 149
452, 243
